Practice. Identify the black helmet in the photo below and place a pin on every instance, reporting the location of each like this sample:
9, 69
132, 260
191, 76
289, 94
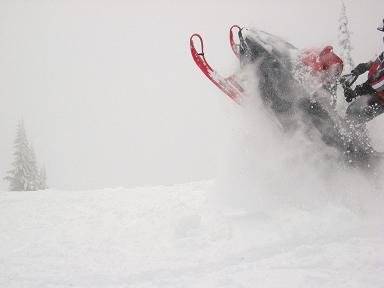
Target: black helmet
381, 26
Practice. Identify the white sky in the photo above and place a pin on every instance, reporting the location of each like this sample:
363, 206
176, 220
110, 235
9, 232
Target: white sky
110, 95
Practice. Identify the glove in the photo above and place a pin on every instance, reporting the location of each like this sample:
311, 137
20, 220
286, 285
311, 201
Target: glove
349, 95
364, 88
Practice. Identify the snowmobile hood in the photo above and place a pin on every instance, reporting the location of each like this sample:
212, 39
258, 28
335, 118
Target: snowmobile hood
262, 44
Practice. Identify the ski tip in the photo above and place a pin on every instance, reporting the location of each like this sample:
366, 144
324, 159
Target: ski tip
234, 45
235, 26
192, 44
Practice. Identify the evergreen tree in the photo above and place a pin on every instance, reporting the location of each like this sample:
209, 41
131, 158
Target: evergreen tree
34, 183
25, 175
344, 39
43, 179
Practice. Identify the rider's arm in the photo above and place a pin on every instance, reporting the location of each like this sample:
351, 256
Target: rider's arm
361, 68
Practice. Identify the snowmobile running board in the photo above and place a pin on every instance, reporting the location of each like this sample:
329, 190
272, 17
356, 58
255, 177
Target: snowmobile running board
228, 85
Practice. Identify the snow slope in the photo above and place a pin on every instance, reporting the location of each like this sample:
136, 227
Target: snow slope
176, 237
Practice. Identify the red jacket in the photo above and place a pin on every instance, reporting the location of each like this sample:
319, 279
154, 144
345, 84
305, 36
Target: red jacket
376, 75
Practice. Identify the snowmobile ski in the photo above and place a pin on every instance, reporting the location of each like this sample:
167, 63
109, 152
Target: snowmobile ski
235, 46
228, 85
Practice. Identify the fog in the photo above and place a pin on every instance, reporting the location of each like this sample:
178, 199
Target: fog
110, 95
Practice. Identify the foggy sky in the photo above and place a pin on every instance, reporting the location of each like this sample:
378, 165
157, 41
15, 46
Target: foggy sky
110, 95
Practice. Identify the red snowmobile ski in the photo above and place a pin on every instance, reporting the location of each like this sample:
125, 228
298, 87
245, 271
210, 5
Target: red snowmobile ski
228, 85
235, 46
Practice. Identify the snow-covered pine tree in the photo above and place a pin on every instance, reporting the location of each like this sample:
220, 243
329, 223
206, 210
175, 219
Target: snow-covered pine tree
344, 39
43, 179
34, 183
24, 176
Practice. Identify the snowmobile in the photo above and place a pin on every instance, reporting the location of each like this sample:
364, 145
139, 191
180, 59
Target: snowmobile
298, 87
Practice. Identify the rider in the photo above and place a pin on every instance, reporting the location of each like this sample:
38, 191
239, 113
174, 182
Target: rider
371, 104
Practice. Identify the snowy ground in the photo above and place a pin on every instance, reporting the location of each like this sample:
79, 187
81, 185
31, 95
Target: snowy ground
175, 237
